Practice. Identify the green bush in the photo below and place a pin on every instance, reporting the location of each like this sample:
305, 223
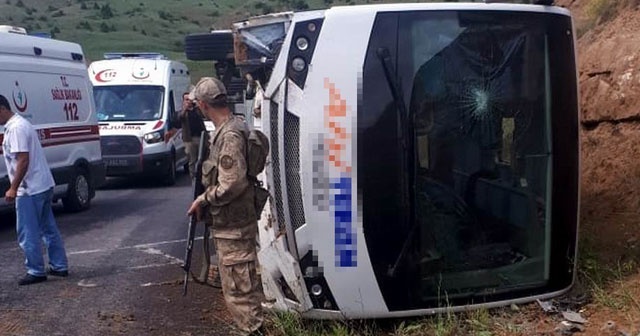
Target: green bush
106, 12
84, 25
600, 10
104, 27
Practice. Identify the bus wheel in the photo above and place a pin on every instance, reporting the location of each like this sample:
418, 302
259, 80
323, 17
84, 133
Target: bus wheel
214, 46
78, 196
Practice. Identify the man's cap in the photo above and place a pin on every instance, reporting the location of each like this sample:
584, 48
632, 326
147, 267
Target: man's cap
208, 89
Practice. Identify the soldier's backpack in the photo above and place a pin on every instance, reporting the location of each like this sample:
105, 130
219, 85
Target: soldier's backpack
257, 152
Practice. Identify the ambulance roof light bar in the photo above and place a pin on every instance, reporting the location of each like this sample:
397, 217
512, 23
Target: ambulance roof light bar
12, 29
145, 55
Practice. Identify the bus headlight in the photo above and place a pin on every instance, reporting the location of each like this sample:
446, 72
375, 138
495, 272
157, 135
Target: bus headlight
316, 290
154, 137
302, 43
298, 64
311, 26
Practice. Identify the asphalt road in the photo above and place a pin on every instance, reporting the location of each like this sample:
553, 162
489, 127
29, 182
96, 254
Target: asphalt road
125, 278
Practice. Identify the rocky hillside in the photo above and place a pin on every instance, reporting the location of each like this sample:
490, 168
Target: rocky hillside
609, 76
609, 70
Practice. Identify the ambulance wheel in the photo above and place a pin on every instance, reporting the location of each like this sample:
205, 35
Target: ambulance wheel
78, 196
170, 177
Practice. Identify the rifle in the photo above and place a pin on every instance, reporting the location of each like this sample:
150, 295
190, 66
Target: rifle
198, 189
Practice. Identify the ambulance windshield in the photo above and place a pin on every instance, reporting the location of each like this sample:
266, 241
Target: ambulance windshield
128, 102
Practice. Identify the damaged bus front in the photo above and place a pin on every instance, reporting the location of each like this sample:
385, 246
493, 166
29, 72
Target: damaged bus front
424, 156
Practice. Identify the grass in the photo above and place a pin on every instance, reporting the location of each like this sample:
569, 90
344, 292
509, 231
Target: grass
477, 323
600, 10
606, 283
143, 25
601, 276
291, 324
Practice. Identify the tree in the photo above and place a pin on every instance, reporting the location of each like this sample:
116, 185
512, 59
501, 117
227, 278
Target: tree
264, 7
55, 30
299, 5
19, 3
104, 27
84, 25
83, 6
166, 16
96, 6
106, 12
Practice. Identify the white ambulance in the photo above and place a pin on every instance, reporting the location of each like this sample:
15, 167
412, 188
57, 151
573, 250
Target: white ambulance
138, 97
46, 82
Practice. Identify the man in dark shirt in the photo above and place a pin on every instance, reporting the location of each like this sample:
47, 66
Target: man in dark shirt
192, 127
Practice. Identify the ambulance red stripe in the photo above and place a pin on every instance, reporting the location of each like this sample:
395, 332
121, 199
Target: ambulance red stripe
65, 135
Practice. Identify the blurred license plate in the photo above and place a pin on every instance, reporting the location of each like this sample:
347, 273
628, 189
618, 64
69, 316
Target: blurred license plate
119, 162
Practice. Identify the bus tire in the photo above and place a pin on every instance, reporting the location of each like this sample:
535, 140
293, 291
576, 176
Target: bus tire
214, 46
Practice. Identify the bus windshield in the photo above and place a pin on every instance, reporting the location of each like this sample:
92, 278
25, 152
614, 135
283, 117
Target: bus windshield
457, 200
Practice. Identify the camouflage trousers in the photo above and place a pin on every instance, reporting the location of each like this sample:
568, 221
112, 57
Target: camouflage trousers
241, 285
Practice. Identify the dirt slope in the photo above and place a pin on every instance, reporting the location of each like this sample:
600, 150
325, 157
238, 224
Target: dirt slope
609, 75
609, 68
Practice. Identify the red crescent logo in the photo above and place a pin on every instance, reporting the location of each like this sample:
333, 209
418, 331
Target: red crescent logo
106, 75
141, 74
22, 104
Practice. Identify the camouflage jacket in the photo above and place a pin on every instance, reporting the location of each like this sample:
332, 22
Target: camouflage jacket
228, 196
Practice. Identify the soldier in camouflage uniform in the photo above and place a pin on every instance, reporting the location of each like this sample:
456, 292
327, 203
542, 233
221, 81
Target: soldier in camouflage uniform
229, 202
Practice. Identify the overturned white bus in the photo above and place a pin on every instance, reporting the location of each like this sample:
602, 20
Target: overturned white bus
424, 158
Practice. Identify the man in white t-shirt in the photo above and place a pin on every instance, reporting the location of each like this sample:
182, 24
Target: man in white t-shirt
32, 190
